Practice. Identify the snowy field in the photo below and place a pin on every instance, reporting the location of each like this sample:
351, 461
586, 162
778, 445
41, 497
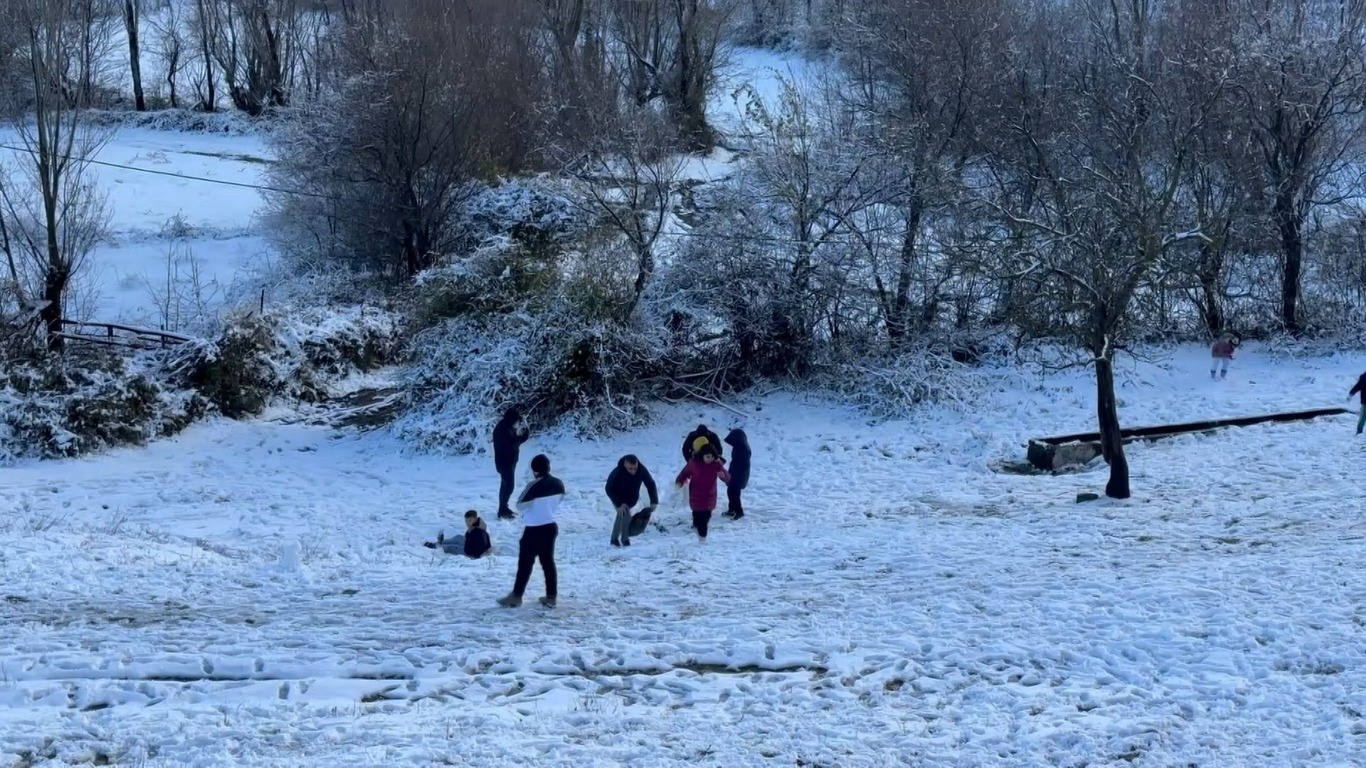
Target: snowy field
155, 217
257, 594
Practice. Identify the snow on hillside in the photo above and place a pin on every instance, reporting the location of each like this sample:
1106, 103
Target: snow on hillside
252, 593
153, 208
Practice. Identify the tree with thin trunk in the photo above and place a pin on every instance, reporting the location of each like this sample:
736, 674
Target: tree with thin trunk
626, 181
60, 225
1304, 82
205, 28
132, 16
171, 47
1101, 117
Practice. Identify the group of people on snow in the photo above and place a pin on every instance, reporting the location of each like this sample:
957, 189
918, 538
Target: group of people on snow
704, 466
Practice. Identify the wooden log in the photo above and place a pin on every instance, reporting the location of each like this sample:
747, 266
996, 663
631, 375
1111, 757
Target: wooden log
1054, 453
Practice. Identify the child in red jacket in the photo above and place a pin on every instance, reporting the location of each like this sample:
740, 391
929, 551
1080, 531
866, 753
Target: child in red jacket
701, 474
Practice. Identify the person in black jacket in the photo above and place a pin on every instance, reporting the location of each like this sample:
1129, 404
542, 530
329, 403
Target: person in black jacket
508, 435
690, 442
474, 544
1360, 387
623, 490
739, 472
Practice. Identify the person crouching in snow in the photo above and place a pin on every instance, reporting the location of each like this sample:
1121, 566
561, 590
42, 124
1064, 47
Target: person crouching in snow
1221, 354
739, 472
1360, 388
701, 474
623, 490
474, 544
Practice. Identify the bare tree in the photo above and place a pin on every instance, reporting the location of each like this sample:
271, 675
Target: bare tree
132, 17
59, 226
1304, 80
672, 51
919, 68
626, 181
1101, 116
423, 104
171, 46
205, 26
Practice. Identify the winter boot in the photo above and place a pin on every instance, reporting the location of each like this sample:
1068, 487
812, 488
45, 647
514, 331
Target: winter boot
736, 516
507, 514
548, 602
1223, 375
510, 601
616, 543
1213, 376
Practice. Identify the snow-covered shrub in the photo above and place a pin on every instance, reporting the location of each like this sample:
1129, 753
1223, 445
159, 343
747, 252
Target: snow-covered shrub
230, 123
893, 388
296, 353
54, 407
512, 327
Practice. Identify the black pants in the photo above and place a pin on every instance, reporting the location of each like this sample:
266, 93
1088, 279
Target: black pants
508, 476
733, 499
700, 519
538, 542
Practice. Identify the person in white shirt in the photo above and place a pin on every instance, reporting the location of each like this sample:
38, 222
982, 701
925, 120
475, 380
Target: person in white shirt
538, 504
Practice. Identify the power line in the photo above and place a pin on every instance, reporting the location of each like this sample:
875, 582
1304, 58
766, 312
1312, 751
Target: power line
187, 177
334, 198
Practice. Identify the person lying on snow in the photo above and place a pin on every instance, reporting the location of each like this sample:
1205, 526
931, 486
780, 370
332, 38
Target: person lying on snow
701, 474
691, 442
623, 490
474, 544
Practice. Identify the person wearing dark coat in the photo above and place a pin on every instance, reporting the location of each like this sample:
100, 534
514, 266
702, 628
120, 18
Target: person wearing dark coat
1360, 388
739, 472
690, 442
474, 544
623, 490
508, 435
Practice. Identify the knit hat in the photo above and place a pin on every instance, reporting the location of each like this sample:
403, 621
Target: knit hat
700, 443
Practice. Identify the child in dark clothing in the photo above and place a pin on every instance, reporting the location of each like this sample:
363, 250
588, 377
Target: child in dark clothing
739, 472
474, 544
701, 474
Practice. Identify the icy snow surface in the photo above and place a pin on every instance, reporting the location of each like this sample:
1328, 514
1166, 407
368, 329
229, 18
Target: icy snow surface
217, 220
257, 594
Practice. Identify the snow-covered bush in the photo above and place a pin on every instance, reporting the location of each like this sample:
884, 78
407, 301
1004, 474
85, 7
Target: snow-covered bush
892, 388
55, 407
513, 327
296, 353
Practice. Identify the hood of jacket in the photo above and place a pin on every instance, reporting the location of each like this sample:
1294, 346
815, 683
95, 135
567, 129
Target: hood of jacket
737, 437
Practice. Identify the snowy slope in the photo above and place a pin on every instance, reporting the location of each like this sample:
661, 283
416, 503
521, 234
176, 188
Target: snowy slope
151, 212
888, 600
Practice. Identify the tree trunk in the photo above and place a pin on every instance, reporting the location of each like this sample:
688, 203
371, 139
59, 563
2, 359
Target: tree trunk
206, 50
1288, 224
130, 24
1111, 443
1211, 265
56, 277
901, 306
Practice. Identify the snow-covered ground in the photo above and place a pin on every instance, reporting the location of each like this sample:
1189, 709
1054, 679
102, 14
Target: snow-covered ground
888, 600
154, 216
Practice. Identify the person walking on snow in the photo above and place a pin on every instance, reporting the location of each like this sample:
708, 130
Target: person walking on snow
739, 472
508, 435
1360, 388
538, 505
701, 474
474, 544
1221, 354
623, 490
690, 444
